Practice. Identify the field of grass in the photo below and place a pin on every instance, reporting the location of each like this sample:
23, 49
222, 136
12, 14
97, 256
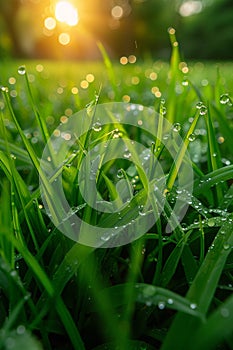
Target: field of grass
172, 287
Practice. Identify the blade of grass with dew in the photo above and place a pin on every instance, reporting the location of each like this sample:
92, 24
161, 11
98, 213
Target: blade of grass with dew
18, 152
181, 154
221, 174
224, 126
50, 195
174, 74
172, 261
214, 159
148, 294
189, 263
109, 67
19, 185
63, 312
217, 328
40, 121
136, 259
6, 247
102, 302
201, 291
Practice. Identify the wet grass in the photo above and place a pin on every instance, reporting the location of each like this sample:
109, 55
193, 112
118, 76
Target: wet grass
169, 289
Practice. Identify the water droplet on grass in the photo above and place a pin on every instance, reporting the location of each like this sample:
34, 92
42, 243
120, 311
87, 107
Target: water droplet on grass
193, 306
22, 70
4, 89
199, 105
224, 99
176, 127
161, 305
226, 246
163, 110
105, 238
97, 126
127, 154
211, 222
185, 82
120, 174
13, 156
191, 137
203, 110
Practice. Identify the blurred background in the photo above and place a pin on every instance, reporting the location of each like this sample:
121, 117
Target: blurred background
69, 29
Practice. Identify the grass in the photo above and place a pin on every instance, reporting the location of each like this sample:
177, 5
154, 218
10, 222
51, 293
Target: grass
172, 287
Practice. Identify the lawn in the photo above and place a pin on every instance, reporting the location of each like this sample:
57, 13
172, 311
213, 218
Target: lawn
157, 137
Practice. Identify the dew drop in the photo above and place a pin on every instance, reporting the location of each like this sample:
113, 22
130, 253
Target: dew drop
163, 110
120, 174
13, 273
185, 82
4, 89
97, 126
161, 305
203, 110
141, 210
105, 238
27, 296
199, 105
170, 301
127, 154
224, 99
193, 306
211, 222
22, 70
226, 246
176, 127
13, 156
191, 137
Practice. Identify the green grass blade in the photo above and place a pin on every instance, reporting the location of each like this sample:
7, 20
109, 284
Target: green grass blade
217, 328
201, 291
109, 67
181, 155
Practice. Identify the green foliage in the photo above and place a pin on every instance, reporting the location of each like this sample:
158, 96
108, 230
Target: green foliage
169, 289
208, 35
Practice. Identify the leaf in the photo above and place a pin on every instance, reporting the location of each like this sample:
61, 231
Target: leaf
152, 295
201, 291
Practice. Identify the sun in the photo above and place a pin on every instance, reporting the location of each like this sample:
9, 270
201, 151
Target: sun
66, 13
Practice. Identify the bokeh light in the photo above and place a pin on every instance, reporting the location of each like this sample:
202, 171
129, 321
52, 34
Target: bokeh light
117, 12
64, 39
66, 13
190, 8
50, 23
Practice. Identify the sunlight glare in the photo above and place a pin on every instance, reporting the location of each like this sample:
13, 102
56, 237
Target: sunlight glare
65, 12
